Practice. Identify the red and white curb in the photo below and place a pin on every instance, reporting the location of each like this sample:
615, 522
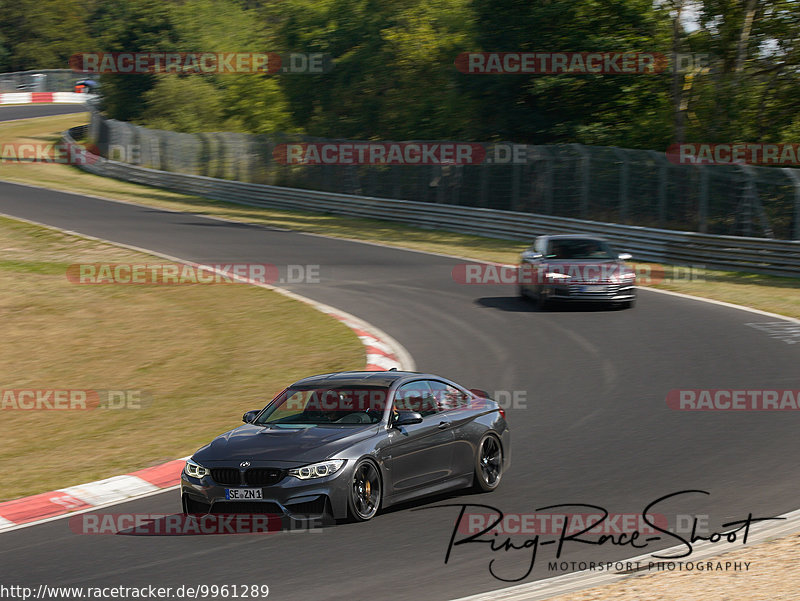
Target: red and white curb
29, 510
44, 97
382, 353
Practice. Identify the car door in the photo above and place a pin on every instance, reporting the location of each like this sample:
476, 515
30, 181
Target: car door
454, 406
419, 454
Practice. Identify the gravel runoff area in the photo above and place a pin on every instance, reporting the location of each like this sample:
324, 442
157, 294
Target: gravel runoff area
773, 574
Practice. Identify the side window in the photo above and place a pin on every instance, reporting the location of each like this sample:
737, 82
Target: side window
448, 397
415, 396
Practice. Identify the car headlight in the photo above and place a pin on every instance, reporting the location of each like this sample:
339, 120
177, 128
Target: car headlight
556, 277
195, 470
317, 470
623, 278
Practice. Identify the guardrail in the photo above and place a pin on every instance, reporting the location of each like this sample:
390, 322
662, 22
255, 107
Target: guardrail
759, 255
41, 80
597, 183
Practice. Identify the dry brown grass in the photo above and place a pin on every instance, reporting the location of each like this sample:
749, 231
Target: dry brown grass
205, 353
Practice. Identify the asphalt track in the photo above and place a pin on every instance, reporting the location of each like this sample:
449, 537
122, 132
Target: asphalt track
9, 112
595, 427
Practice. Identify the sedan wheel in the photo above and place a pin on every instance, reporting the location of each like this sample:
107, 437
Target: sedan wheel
542, 302
365, 492
489, 464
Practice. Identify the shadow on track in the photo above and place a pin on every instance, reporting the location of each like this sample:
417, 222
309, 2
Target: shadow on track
515, 304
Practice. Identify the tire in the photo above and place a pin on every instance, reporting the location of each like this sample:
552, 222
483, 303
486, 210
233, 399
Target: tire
541, 301
488, 464
365, 492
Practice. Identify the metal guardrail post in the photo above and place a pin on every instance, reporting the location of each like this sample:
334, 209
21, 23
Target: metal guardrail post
484, 171
623, 183
516, 170
662, 163
586, 172
438, 175
794, 176
396, 185
754, 203
549, 169
702, 213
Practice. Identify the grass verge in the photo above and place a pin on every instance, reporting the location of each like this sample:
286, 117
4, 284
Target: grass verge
768, 293
203, 354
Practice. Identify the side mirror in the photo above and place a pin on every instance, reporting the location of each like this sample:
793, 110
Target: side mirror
625, 256
406, 418
530, 255
250, 416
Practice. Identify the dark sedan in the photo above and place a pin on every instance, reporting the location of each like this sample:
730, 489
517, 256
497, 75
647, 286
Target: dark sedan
576, 267
346, 444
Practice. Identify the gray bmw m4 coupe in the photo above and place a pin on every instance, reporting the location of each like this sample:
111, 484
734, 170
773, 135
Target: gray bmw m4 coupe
344, 445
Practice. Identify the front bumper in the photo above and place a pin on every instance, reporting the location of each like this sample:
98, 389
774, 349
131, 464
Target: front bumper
290, 497
605, 292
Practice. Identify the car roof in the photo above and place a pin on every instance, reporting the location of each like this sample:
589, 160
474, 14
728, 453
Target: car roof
361, 378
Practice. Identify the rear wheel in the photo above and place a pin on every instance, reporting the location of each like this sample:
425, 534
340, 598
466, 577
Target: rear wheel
488, 464
366, 492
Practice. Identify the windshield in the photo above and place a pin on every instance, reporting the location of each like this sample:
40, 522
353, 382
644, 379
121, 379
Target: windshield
580, 248
319, 406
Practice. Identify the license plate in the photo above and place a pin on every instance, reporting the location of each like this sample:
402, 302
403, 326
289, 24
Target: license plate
243, 494
593, 288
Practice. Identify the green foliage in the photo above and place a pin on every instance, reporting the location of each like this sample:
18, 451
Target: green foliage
752, 98
185, 104
394, 77
41, 34
255, 103
131, 26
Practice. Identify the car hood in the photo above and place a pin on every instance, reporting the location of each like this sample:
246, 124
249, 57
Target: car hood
271, 444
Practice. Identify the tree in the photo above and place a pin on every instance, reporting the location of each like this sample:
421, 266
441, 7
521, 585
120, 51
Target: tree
131, 26
617, 109
41, 34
